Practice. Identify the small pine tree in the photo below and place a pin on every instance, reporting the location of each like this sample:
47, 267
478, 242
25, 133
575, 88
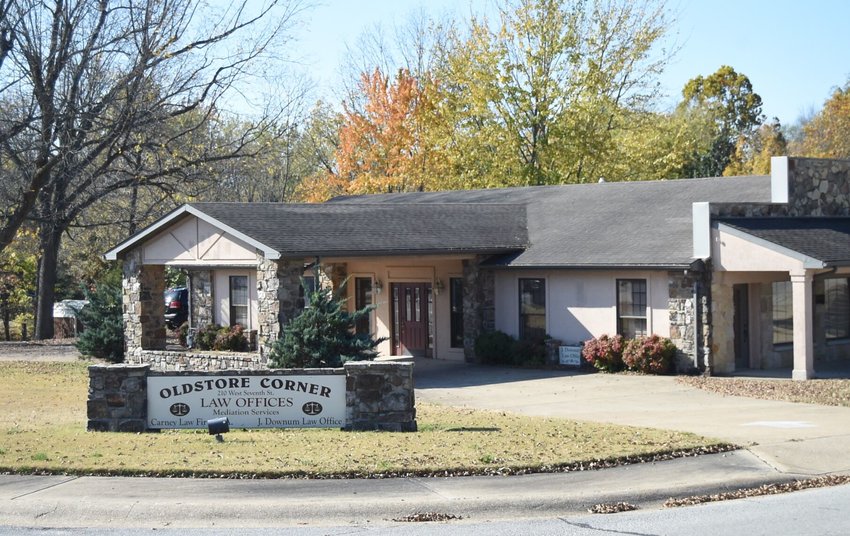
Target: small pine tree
103, 320
323, 335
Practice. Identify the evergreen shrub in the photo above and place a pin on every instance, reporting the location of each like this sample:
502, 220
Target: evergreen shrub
605, 352
649, 355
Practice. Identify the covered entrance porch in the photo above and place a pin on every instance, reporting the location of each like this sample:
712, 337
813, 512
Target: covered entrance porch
780, 295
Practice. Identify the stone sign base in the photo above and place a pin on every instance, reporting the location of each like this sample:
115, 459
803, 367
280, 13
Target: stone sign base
379, 396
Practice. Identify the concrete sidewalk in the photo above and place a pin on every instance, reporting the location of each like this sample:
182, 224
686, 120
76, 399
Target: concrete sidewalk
784, 441
793, 438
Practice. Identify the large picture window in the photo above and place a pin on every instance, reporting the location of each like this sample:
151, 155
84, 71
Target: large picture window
456, 299
631, 308
783, 313
239, 300
532, 309
837, 308
363, 298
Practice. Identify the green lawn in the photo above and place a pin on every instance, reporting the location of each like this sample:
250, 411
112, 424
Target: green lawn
43, 419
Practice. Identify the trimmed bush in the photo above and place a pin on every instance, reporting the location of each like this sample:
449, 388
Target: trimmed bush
529, 353
220, 339
495, 348
605, 353
649, 355
103, 321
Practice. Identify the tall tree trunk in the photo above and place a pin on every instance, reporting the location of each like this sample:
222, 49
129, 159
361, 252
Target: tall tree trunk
50, 238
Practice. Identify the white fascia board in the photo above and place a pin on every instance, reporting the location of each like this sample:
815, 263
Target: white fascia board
268, 252
807, 262
701, 225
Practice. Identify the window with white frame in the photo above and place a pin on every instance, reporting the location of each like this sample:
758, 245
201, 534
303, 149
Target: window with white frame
631, 308
783, 312
239, 302
532, 309
836, 319
363, 298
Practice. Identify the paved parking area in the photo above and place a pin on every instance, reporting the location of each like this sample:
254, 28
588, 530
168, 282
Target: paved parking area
794, 438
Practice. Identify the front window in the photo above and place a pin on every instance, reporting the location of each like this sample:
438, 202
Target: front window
532, 309
239, 300
308, 282
837, 309
456, 304
631, 308
363, 298
783, 313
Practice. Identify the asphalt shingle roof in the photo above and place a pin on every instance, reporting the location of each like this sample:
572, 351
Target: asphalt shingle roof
616, 224
825, 239
355, 229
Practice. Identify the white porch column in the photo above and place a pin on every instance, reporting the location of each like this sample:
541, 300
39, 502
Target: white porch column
804, 350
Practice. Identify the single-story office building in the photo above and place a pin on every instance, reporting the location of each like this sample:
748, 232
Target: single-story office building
740, 272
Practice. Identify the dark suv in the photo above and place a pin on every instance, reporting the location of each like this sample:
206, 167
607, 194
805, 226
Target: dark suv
176, 307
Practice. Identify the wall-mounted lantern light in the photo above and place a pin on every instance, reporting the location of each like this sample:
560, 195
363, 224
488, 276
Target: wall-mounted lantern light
379, 285
438, 286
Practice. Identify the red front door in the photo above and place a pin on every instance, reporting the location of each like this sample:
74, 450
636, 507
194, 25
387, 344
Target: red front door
411, 313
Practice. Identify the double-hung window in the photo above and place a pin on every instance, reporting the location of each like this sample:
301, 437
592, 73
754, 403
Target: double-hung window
631, 308
783, 312
239, 300
532, 309
836, 308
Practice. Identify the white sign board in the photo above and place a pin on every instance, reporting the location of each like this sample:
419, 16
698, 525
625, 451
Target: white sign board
569, 355
305, 401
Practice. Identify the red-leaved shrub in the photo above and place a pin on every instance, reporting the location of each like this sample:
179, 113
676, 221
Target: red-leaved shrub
604, 352
649, 355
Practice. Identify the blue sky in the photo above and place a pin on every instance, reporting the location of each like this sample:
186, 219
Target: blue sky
794, 52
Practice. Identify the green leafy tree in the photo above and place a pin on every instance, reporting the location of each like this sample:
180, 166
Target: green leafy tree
103, 320
752, 155
827, 133
728, 97
323, 335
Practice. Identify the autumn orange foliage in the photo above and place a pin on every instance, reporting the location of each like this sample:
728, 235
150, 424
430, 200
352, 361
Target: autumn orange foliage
380, 147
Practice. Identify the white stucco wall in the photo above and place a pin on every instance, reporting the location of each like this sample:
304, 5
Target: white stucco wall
581, 304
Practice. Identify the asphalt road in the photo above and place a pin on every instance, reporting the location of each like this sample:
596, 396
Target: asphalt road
820, 512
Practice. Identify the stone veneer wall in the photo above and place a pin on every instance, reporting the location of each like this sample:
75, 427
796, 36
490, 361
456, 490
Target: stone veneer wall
689, 318
164, 360
379, 396
118, 398
201, 299
142, 304
479, 304
818, 187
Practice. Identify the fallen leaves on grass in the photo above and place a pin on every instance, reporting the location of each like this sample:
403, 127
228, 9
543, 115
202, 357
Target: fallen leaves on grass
767, 489
826, 392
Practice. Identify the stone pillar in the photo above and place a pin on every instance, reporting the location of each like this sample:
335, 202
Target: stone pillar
143, 306
683, 308
278, 288
723, 328
118, 398
479, 305
804, 352
201, 299
379, 396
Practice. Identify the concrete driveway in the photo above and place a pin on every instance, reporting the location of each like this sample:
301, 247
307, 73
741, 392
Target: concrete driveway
793, 438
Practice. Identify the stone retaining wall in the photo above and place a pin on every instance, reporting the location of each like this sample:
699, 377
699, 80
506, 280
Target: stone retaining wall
179, 361
379, 396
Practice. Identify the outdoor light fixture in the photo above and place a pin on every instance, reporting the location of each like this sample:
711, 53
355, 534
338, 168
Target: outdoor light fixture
438, 286
379, 285
217, 427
